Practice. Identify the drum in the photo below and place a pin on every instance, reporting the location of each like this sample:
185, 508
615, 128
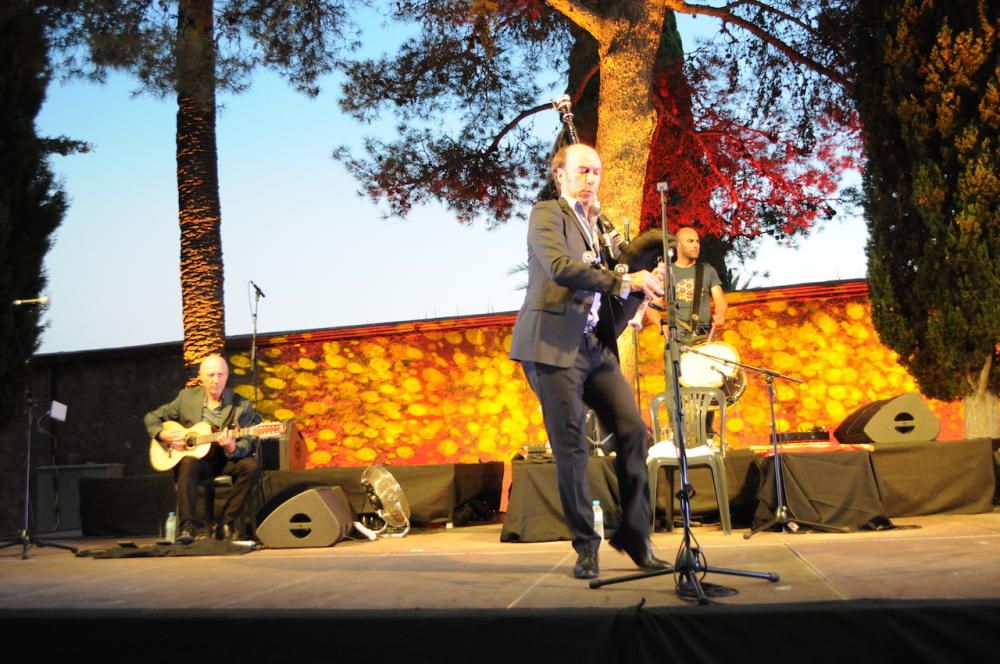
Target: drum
702, 367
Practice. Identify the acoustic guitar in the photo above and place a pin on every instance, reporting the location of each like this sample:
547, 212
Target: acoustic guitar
199, 438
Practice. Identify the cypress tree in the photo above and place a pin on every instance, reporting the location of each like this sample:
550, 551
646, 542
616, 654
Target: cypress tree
928, 96
31, 204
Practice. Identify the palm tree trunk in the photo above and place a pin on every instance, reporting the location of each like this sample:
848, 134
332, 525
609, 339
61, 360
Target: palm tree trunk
198, 184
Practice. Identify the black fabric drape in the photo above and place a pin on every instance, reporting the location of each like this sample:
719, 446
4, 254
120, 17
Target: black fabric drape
837, 489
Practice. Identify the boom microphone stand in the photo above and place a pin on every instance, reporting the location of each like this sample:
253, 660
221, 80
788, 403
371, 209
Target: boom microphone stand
781, 513
253, 340
257, 451
690, 565
24, 537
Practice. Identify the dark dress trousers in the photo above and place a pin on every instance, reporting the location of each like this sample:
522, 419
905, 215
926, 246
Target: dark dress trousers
570, 369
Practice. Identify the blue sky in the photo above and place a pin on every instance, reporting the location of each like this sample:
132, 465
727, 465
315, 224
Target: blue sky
292, 223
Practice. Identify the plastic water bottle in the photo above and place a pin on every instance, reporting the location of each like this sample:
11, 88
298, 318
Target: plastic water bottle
170, 533
599, 518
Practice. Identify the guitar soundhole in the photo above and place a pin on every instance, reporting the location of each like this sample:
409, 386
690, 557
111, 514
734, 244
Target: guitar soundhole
190, 442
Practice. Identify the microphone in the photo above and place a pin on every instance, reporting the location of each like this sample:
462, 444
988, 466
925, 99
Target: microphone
609, 237
257, 288
36, 300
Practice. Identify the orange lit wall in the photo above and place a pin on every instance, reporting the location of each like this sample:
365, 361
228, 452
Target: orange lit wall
444, 391
821, 334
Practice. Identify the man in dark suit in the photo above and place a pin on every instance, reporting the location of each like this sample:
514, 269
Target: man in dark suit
223, 409
565, 340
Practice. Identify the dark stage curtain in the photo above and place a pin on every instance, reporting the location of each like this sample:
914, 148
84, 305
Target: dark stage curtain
834, 489
534, 513
936, 477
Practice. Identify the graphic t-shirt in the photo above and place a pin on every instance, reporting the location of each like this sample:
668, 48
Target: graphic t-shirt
684, 278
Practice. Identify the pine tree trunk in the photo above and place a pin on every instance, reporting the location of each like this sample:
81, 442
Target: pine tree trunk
626, 115
626, 122
198, 184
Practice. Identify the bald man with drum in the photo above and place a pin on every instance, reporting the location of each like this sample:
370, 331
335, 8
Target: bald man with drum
696, 290
701, 311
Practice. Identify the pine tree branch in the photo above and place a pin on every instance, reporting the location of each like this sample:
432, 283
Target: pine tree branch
584, 18
785, 16
513, 123
724, 14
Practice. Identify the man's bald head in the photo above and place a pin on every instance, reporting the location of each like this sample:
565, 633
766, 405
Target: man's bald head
559, 158
576, 170
213, 372
688, 245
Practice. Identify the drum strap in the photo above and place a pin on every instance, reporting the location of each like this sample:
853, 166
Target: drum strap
699, 278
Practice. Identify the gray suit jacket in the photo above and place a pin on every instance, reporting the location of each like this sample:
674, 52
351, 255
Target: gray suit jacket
561, 290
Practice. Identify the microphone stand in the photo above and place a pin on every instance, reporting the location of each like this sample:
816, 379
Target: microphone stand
781, 513
258, 293
690, 565
258, 453
24, 537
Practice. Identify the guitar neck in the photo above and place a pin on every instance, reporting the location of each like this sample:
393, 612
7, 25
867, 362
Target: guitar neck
231, 433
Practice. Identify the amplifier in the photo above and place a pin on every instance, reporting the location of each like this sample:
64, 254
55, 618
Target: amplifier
287, 452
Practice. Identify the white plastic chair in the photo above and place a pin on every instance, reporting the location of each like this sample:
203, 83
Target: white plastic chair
700, 449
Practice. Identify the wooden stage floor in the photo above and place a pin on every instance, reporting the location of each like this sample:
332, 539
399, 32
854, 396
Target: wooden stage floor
941, 557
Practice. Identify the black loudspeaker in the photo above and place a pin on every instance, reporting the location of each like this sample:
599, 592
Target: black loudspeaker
287, 452
902, 418
305, 516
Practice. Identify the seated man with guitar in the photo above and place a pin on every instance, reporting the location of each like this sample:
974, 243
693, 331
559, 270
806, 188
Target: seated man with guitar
177, 430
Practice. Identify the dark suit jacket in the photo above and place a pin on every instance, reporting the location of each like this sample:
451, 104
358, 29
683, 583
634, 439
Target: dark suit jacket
561, 290
186, 410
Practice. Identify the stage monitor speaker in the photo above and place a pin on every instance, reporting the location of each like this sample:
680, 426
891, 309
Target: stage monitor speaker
304, 516
905, 417
287, 452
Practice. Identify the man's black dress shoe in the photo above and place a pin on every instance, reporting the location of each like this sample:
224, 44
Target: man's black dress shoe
586, 566
641, 554
187, 534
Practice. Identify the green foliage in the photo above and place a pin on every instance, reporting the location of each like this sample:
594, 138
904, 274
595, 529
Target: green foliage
456, 91
31, 205
928, 96
752, 138
190, 49
300, 40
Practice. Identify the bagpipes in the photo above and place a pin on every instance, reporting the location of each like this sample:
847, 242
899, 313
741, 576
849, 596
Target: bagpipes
645, 252
626, 255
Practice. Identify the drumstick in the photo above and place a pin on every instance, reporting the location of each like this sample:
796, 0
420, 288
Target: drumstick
711, 332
